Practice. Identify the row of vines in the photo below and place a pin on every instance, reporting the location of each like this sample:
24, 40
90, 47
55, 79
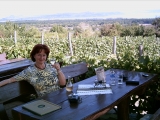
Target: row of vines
97, 51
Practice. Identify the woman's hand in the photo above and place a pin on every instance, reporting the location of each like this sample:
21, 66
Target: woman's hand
61, 76
56, 66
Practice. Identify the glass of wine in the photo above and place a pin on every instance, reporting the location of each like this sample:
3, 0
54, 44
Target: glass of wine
69, 85
52, 61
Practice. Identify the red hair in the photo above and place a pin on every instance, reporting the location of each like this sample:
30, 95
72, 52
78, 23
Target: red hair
38, 48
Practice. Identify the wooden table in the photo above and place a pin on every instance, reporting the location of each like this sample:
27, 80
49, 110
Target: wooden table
12, 68
92, 106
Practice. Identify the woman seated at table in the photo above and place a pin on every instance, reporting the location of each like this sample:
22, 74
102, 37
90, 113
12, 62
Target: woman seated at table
44, 77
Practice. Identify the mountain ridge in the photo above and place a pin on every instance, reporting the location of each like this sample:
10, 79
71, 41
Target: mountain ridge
83, 15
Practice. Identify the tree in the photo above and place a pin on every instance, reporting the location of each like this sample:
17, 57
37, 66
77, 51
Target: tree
127, 31
111, 29
9, 29
83, 29
32, 32
156, 23
148, 31
138, 30
2, 31
105, 29
22, 31
58, 29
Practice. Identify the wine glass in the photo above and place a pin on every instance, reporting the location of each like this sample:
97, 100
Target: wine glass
52, 61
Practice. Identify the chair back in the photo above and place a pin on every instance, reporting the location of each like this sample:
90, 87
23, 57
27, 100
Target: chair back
76, 71
12, 95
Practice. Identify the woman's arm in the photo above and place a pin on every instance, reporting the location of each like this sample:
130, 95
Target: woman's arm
7, 81
61, 76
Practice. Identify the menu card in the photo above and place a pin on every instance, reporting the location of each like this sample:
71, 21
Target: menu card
41, 107
90, 89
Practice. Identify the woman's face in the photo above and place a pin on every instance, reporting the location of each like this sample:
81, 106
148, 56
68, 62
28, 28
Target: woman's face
40, 57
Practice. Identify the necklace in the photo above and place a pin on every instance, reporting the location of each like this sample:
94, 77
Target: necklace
40, 68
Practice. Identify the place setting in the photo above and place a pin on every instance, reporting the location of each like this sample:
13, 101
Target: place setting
99, 86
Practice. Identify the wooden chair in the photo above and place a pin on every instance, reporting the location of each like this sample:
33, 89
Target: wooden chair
12, 95
76, 71
12, 69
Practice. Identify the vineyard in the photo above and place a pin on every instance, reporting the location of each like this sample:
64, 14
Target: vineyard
97, 51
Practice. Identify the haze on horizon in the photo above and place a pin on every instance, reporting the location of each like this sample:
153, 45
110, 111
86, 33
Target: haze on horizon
127, 9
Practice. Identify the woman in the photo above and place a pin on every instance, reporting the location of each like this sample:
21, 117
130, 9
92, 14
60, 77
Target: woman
44, 77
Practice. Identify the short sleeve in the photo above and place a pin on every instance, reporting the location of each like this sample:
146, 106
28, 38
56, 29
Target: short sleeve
22, 75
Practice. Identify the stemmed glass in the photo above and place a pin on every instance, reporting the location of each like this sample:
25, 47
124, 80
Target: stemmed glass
52, 61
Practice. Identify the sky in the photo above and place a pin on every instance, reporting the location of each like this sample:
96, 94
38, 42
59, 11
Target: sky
127, 8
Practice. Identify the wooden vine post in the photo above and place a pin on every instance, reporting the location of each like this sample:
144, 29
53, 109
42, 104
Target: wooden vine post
114, 45
42, 37
140, 50
57, 36
15, 37
126, 38
70, 43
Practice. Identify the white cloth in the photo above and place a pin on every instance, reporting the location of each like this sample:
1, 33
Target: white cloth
89, 89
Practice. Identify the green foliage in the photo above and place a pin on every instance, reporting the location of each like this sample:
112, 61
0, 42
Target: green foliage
148, 31
32, 32
156, 23
58, 29
9, 29
96, 51
83, 29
